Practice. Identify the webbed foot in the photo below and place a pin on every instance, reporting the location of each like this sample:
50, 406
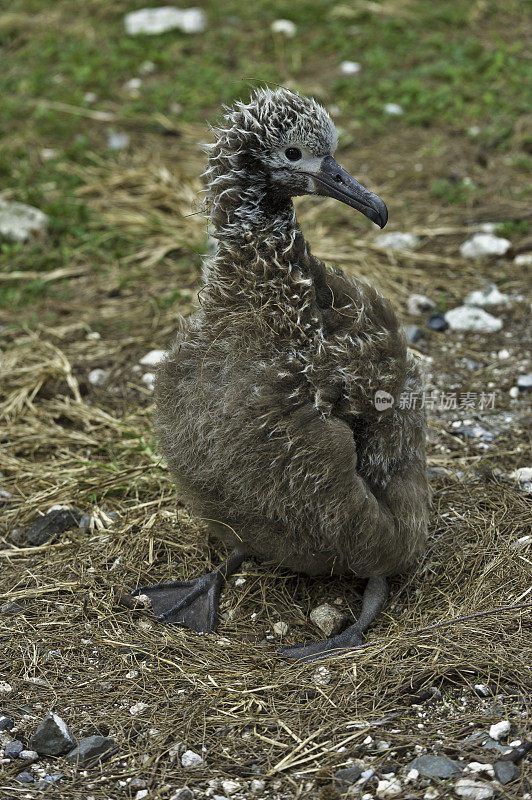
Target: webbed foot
193, 604
314, 651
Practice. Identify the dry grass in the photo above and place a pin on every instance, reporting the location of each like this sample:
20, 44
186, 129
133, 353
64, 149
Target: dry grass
70, 645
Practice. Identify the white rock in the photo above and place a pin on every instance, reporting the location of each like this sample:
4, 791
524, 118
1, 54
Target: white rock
147, 67
499, 729
97, 377
412, 776
141, 794
489, 296
138, 708
117, 140
523, 474
175, 750
47, 153
18, 221
477, 767
93, 336
230, 787
152, 358
240, 581
148, 379
257, 785
472, 790
514, 392
322, 676
133, 673
419, 304
471, 318
523, 260
132, 86
395, 240
482, 689
389, 788
159, 20
484, 244
431, 794
488, 227
191, 759
503, 354
350, 67
5, 688
90, 97
394, 109
328, 619
29, 755
284, 26
280, 628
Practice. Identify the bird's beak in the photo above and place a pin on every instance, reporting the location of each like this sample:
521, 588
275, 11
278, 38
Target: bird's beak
332, 180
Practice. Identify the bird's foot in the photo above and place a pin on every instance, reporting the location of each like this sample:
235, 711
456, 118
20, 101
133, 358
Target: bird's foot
193, 604
350, 639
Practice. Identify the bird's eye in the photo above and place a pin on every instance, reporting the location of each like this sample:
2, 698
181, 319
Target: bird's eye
293, 153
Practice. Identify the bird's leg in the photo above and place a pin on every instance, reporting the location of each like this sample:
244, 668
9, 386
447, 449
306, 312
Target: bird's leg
193, 603
373, 600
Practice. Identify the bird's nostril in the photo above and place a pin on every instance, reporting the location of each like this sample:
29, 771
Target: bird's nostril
338, 178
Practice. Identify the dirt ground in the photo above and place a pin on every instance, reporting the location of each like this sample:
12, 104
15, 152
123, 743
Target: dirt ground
70, 643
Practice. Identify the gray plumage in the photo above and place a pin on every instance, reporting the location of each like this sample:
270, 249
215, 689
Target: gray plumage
265, 403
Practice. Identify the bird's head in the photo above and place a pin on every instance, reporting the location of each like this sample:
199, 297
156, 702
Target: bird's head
286, 143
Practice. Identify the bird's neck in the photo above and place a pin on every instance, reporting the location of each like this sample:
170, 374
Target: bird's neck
262, 263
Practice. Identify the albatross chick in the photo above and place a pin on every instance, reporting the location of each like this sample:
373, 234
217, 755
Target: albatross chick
277, 406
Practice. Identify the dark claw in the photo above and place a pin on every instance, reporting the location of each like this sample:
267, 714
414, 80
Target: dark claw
193, 604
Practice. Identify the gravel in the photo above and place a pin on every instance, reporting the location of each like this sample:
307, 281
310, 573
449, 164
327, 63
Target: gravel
499, 729
506, 772
6, 723
419, 304
344, 778
488, 296
13, 749
190, 759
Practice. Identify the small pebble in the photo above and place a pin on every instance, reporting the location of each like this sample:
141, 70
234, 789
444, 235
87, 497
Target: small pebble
524, 383
471, 318
489, 296
350, 67
6, 723
138, 708
152, 358
322, 676
523, 260
190, 759
413, 333
484, 244
419, 304
472, 790
98, 377
328, 619
393, 109
25, 777
395, 240
285, 27
280, 628
5, 688
230, 787
29, 755
499, 729
257, 785
183, 794
437, 322
506, 772
13, 749
117, 140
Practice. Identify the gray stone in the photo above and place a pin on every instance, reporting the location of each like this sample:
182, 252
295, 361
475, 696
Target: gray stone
52, 737
91, 748
25, 777
85, 521
19, 221
6, 723
437, 322
137, 783
345, 777
436, 766
524, 383
328, 619
492, 744
13, 749
183, 794
98, 377
475, 432
413, 333
49, 526
17, 536
506, 772
29, 755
